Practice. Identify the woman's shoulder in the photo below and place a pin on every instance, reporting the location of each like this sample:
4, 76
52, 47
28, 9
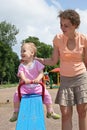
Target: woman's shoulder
59, 36
82, 38
58, 39
81, 35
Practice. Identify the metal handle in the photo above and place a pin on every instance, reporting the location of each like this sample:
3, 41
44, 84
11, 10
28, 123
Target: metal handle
22, 83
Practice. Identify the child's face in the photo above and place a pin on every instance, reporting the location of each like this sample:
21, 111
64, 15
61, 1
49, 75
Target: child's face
26, 52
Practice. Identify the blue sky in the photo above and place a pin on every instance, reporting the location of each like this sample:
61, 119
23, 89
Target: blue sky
39, 17
81, 4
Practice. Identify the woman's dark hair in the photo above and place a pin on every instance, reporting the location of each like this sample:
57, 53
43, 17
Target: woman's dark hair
72, 15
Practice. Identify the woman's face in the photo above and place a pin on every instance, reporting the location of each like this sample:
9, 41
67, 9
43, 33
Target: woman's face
66, 26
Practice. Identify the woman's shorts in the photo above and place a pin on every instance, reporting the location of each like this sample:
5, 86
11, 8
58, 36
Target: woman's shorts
73, 90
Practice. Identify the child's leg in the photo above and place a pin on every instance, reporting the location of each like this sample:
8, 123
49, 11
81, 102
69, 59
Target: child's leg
16, 103
49, 107
51, 113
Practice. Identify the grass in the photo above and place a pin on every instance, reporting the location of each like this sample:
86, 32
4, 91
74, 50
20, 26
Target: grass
7, 85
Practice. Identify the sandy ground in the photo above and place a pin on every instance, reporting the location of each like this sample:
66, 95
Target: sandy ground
6, 109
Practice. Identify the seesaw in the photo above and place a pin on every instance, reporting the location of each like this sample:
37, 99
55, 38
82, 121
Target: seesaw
31, 113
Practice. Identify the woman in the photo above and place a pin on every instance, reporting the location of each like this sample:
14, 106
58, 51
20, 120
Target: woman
71, 48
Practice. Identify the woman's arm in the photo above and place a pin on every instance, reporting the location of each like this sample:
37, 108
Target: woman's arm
52, 60
85, 57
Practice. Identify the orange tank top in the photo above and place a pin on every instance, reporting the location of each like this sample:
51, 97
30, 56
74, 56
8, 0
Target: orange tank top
71, 61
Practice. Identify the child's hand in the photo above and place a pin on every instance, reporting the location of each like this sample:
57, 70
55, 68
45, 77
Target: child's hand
27, 81
36, 81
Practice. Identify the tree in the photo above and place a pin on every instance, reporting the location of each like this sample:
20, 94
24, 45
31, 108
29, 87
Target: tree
8, 66
8, 33
43, 49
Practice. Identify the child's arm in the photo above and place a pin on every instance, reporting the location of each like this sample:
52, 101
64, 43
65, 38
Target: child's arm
23, 78
39, 77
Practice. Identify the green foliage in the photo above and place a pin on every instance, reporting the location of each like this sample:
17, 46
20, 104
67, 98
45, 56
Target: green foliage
8, 59
8, 64
43, 50
8, 33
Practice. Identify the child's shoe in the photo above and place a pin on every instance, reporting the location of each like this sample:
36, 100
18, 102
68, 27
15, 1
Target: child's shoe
14, 117
53, 115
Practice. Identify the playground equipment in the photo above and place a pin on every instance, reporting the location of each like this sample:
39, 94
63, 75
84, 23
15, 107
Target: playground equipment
55, 70
31, 114
46, 79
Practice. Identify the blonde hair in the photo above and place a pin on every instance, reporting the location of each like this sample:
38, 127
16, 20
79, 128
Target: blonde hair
32, 47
